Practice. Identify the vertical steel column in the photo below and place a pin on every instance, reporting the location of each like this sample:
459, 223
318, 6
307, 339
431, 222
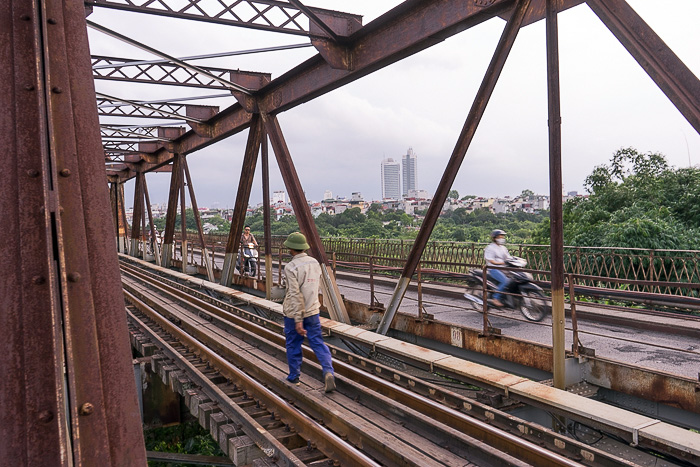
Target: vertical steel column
154, 237
555, 196
137, 215
68, 395
245, 184
120, 224
672, 76
183, 217
171, 214
198, 220
465, 138
264, 155
336, 307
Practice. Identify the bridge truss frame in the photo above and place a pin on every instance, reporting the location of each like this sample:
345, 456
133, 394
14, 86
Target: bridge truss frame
62, 308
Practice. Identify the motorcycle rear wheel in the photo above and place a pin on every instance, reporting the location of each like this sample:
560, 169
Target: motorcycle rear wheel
533, 306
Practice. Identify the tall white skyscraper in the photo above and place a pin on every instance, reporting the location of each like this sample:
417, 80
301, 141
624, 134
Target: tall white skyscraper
410, 169
391, 181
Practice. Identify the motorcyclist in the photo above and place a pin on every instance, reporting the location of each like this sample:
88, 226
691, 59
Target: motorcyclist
496, 254
247, 237
248, 241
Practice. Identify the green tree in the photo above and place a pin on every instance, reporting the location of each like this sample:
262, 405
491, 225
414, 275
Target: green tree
635, 201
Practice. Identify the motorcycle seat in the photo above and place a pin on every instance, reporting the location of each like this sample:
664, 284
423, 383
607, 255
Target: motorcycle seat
477, 272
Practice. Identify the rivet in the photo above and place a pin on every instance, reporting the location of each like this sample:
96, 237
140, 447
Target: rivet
45, 416
60, 209
25, 17
38, 280
65, 172
33, 173
57, 90
29, 87
74, 277
51, 21
86, 409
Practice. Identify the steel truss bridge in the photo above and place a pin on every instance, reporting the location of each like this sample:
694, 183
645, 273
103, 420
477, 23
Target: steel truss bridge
68, 396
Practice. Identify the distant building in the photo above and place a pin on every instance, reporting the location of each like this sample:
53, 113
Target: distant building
328, 194
410, 171
391, 183
279, 197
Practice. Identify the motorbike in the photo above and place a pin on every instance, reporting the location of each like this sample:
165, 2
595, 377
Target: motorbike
521, 294
250, 259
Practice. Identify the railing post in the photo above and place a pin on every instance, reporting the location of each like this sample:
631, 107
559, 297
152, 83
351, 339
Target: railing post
279, 269
420, 293
372, 299
485, 298
333, 263
576, 345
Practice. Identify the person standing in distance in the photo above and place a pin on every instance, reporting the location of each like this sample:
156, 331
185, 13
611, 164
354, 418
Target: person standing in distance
301, 308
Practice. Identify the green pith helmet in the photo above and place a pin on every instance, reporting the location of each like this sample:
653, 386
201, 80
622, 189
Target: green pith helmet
296, 241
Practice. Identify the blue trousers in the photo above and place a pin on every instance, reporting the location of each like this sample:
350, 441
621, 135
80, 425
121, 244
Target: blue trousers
501, 279
312, 325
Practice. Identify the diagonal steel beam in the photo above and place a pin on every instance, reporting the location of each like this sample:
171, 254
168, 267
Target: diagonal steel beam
483, 95
245, 185
336, 306
268, 15
672, 76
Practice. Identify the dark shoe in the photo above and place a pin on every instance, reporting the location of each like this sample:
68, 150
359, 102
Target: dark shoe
294, 381
330, 382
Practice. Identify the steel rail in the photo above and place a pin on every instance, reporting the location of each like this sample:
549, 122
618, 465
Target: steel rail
328, 442
250, 426
388, 450
612, 428
271, 332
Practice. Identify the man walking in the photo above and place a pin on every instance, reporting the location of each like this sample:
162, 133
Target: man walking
300, 308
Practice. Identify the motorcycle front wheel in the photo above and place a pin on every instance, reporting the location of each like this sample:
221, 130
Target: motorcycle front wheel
474, 294
533, 306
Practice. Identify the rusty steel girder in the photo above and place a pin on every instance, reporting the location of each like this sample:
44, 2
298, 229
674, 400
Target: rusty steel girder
173, 74
68, 395
268, 15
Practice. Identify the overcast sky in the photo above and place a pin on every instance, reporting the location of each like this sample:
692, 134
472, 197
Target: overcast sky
338, 140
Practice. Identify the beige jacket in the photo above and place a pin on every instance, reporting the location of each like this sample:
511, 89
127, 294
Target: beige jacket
303, 274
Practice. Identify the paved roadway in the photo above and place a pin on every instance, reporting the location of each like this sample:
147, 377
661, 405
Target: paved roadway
675, 354
670, 353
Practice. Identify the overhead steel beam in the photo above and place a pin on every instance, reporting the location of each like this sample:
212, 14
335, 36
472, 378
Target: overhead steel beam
175, 74
672, 76
118, 107
192, 68
405, 30
483, 95
68, 394
268, 15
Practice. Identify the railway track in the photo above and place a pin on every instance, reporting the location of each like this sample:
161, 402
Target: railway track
230, 365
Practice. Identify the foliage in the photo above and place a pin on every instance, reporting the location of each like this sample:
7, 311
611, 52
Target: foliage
635, 201
186, 438
222, 225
